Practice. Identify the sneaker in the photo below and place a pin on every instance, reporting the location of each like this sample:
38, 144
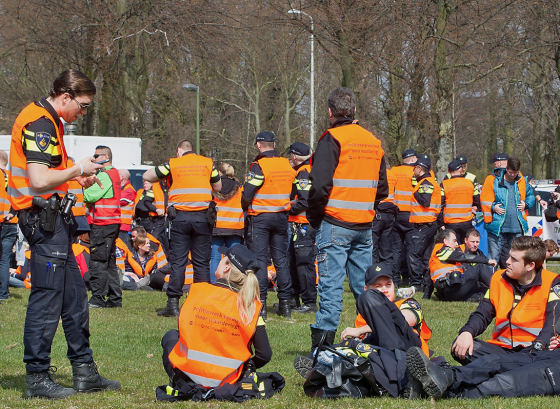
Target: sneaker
43, 385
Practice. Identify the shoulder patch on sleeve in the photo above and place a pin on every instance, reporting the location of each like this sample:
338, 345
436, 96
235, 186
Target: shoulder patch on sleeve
556, 290
302, 183
43, 140
414, 304
250, 176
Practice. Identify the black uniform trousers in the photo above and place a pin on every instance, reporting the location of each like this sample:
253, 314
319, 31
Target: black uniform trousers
190, 231
473, 274
302, 263
158, 231
421, 241
481, 349
402, 230
513, 375
104, 278
382, 238
389, 328
269, 231
460, 230
125, 237
57, 291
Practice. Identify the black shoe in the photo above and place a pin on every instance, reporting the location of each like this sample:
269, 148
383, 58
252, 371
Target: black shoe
171, 309
306, 309
42, 385
284, 309
263, 310
303, 365
92, 306
413, 389
427, 295
87, 378
435, 380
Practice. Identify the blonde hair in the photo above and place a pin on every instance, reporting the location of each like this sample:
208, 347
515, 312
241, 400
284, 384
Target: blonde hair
248, 294
226, 169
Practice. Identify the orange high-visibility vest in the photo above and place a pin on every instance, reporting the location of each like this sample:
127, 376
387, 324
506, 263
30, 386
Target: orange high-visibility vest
419, 214
127, 211
425, 332
20, 192
79, 209
213, 342
439, 268
488, 195
356, 177
300, 217
274, 194
190, 189
107, 211
159, 198
518, 324
4, 202
230, 213
403, 187
189, 274
458, 200
392, 182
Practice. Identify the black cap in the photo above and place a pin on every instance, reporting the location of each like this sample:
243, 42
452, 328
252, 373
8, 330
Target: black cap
499, 156
377, 270
241, 257
462, 159
454, 165
300, 149
424, 161
265, 136
408, 153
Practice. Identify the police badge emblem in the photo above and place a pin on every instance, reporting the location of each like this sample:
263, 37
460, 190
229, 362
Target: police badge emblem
43, 140
302, 183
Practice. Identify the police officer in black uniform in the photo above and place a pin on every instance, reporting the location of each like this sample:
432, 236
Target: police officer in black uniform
37, 180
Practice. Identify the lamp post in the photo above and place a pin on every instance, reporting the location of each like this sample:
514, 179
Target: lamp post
192, 87
312, 81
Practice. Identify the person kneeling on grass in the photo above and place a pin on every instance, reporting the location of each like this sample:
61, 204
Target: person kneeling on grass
210, 355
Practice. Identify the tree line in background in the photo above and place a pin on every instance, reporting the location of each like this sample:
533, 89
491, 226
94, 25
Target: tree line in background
445, 77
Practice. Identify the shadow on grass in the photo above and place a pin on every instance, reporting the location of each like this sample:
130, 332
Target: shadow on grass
16, 382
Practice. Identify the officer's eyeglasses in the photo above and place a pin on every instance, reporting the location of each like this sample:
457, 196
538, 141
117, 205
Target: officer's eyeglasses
82, 106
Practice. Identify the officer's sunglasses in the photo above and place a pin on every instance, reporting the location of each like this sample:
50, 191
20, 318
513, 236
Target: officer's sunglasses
97, 155
82, 106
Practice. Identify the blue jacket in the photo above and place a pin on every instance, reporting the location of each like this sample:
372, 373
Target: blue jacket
501, 197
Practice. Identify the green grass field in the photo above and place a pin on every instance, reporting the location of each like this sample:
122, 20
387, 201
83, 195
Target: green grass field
126, 345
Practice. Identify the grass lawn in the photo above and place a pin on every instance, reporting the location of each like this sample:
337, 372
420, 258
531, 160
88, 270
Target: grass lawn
126, 345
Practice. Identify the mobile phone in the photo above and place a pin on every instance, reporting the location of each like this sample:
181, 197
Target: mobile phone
102, 162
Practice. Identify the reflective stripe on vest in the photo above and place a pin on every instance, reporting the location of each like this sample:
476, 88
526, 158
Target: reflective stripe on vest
230, 213
419, 214
458, 193
127, 210
159, 198
107, 211
274, 194
19, 189
356, 176
212, 355
391, 181
403, 187
190, 189
521, 324
439, 269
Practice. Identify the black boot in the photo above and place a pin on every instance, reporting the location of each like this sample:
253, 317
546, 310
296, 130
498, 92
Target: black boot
435, 380
87, 378
263, 310
317, 336
303, 365
42, 385
171, 309
306, 309
284, 308
413, 389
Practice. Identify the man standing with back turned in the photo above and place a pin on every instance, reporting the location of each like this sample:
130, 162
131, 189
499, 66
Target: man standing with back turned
348, 177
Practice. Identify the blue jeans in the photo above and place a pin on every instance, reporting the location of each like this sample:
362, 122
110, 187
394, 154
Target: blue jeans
14, 282
496, 243
9, 236
217, 242
340, 252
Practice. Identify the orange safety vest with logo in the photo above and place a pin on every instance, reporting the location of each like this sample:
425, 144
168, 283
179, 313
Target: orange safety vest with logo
107, 211
403, 188
425, 333
20, 192
190, 189
274, 194
213, 342
419, 214
230, 213
488, 195
356, 177
518, 321
127, 211
159, 198
300, 218
458, 200
392, 182
439, 268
